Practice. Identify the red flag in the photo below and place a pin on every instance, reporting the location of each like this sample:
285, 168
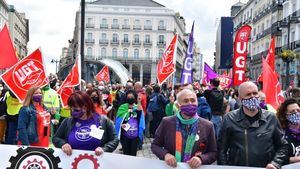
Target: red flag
103, 75
240, 54
270, 58
67, 87
25, 74
166, 65
271, 86
7, 53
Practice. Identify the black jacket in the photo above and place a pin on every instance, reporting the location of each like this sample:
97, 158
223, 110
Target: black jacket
109, 140
255, 145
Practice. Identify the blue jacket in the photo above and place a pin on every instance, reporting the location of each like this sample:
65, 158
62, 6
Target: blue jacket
27, 125
204, 109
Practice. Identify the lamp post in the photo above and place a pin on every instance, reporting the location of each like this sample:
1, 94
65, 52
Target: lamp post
82, 38
56, 62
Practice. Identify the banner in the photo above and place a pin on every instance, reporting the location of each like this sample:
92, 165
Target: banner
166, 65
240, 54
271, 86
72, 80
208, 74
8, 55
270, 58
103, 75
25, 74
225, 80
14, 157
187, 71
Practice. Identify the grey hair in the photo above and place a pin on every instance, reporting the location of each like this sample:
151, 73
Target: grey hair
184, 91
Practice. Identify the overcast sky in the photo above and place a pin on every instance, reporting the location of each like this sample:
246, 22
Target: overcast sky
51, 23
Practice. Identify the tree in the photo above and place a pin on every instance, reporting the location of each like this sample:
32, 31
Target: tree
288, 56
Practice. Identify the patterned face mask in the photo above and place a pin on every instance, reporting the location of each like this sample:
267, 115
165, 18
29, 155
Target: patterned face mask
294, 118
251, 104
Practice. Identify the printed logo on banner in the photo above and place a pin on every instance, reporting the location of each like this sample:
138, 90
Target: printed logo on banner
33, 157
85, 157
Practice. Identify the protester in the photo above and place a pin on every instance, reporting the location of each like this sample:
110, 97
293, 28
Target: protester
97, 101
3, 108
34, 120
289, 116
263, 104
234, 103
86, 129
185, 137
215, 99
130, 123
251, 136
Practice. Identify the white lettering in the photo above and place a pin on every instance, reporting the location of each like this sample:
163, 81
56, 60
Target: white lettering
238, 47
240, 62
240, 74
186, 77
26, 70
188, 63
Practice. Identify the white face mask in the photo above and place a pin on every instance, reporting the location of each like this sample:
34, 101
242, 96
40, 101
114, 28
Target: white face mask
1, 88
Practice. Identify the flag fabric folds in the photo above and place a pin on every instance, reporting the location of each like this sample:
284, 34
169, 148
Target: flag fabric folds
25, 74
72, 80
187, 71
103, 75
270, 58
271, 86
208, 74
8, 55
166, 65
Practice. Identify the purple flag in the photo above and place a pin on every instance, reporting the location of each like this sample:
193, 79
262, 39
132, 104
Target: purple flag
208, 74
187, 72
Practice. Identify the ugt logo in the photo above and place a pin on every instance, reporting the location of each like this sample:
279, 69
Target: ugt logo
28, 74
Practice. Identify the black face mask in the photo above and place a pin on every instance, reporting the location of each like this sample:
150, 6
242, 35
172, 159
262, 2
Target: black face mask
95, 99
130, 100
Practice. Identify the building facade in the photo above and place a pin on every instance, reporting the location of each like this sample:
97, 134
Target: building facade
276, 18
132, 32
3, 13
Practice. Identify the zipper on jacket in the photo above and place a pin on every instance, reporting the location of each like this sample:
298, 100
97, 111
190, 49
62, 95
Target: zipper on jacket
246, 147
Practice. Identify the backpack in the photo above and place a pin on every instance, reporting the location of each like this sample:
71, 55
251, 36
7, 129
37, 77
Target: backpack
154, 104
216, 101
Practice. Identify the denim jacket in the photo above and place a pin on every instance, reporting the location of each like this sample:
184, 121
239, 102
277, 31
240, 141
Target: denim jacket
27, 125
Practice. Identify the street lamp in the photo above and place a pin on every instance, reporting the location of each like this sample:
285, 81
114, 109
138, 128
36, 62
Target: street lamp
82, 38
56, 62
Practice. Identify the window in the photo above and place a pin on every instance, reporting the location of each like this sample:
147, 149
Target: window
90, 36
103, 36
103, 52
104, 21
126, 21
147, 53
115, 21
136, 38
125, 53
115, 37
161, 23
147, 39
160, 53
90, 20
148, 23
114, 52
136, 53
161, 38
89, 52
126, 38
137, 22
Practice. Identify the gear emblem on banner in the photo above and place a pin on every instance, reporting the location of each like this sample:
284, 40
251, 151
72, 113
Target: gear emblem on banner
34, 158
85, 157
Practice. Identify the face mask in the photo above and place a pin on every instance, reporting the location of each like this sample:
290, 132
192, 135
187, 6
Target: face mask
294, 118
95, 99
189, 109
130, 100
77, 113
263, 104
1, 88
251, 104
37, 98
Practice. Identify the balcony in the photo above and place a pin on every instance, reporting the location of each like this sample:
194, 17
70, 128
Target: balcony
276, 29
147, 43
136, 43
295, 45
285, 22
161, 27
137, 27
295, 17
103, 42
264, 33
276, 6
90, 41
115, 26
265, 12
103, 26
125, 26
147, 27
125, 43
90, 25
161, 44
115, 42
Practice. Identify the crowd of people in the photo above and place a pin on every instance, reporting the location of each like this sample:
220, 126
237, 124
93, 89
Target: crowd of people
187, 123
